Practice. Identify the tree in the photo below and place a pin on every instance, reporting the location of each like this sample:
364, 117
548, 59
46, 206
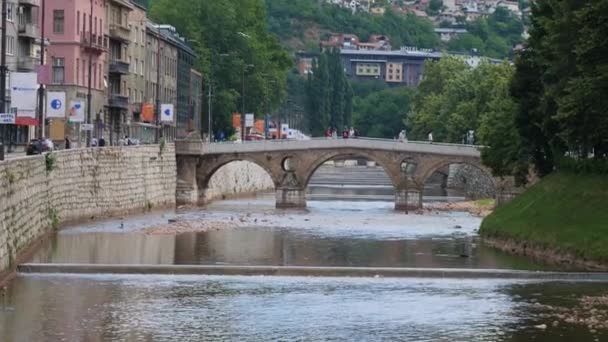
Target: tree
211, 27
380, 114
434, 7
329, 95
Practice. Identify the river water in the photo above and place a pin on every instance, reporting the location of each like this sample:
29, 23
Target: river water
331, 232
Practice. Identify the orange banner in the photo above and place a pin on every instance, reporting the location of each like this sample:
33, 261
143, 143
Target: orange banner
259, 126
236, 120
147, 112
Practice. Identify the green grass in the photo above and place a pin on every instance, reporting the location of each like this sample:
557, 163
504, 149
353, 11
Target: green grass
565, 211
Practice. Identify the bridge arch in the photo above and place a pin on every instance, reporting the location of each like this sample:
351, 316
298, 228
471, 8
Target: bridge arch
382, 161
443, 163
208, 167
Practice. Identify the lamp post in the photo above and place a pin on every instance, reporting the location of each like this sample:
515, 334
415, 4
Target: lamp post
245, 67
41, 87
3, 68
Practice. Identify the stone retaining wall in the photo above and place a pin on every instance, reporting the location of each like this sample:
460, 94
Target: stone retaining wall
82, 184
239, 177
476, 183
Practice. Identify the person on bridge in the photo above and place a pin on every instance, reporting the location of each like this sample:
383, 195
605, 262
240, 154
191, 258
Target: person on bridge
334, 133
345, 133
328, 132
431, 137
351, 133
403, 136
68, 143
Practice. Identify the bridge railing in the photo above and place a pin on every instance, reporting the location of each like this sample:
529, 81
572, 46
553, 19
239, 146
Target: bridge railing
197, 147
278, 141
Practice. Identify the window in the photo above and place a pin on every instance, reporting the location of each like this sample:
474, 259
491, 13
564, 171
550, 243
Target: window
141, 67
10, 45
78, 22
136, 65
78, 71
58, 70
58, 21
10, 9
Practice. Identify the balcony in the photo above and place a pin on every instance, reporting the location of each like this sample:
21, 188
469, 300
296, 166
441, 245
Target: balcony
119, 67
97, 45
120, 32
27, 63
29, 30
32, 3
118, 101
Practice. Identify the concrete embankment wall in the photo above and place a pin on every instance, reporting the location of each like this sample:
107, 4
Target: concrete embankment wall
238, 178
39, 193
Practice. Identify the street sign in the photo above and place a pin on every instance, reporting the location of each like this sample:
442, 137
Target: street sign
7, 118
87, 127
55, 107
166, 112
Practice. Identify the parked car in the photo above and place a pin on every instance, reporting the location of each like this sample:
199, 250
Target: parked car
38, 146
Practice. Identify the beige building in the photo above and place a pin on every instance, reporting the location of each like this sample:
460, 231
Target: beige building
118, 67
394, 72
161, 73
136, 81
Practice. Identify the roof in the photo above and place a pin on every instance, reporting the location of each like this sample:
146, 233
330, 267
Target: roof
404, 52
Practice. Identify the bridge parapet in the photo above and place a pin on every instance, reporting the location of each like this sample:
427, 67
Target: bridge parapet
188, 147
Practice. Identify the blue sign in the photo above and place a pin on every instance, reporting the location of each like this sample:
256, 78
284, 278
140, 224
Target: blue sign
56, 104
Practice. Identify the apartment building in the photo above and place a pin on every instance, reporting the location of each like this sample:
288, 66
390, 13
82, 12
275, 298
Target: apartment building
76, 30
22, 55
119, 38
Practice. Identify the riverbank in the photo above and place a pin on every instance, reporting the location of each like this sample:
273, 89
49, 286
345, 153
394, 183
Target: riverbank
479, 208
560, 220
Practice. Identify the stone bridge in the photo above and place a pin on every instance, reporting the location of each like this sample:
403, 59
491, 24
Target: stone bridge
291, 164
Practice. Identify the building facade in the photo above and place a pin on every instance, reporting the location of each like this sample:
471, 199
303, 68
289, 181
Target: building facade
119, 38
399, 67
22, 55
77, 34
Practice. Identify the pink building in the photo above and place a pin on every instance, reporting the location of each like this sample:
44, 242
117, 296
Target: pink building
68, 27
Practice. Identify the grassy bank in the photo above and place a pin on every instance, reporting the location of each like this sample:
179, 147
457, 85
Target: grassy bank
564, 212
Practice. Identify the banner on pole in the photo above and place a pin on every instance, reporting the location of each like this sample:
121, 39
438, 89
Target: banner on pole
7, 118
55, 105
166, 111
249, 120
24, 86
76, 113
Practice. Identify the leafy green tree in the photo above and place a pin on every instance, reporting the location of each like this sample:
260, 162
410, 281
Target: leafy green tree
228, 35
380, 114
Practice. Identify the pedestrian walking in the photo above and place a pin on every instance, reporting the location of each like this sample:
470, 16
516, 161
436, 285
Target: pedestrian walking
351, 133
345, 133
328, 132
67, 143
334, 133
430, 137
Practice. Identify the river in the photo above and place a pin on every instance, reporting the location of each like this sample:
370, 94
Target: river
333, 231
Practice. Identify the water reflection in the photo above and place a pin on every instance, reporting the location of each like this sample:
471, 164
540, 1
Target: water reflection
165, 308
274, 246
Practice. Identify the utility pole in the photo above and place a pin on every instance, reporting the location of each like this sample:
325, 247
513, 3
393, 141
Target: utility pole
89, 96
157, 111
209, 128
41, 124
3, 67
243, 107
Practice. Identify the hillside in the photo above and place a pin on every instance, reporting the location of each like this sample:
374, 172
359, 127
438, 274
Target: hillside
301, 24
564, 212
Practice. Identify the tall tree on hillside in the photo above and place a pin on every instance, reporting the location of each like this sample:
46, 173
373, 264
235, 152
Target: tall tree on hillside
329, 95
338, 85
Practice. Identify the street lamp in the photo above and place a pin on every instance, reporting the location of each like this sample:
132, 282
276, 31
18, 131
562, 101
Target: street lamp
245, 67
